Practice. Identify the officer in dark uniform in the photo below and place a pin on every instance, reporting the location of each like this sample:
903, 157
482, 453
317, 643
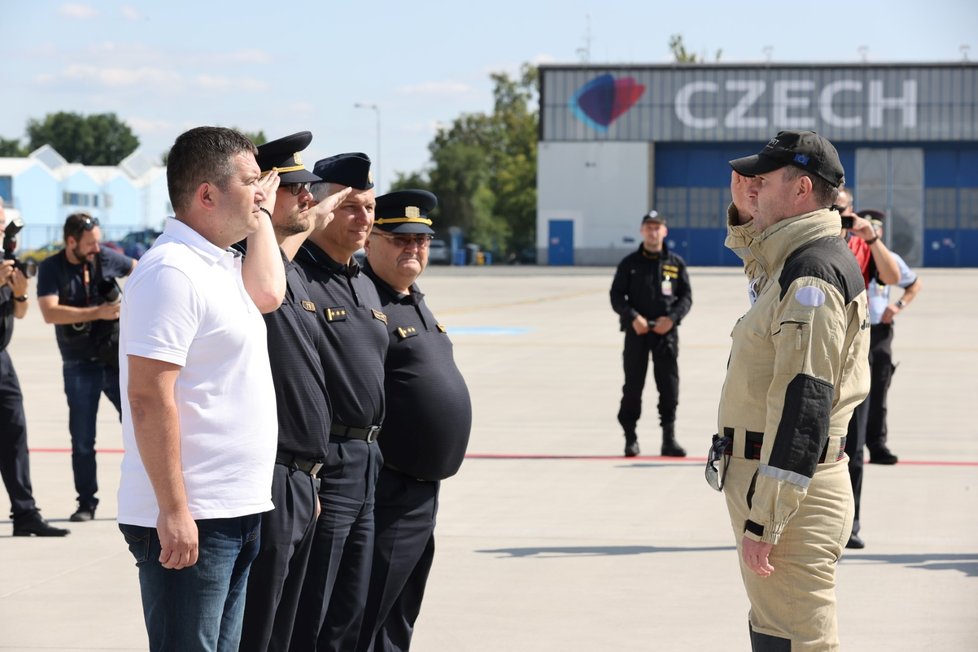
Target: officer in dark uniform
294, 341
355, 329
651, 295
14, 462
426, 430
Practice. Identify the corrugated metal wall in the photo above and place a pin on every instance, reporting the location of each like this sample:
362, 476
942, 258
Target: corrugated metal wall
881, 118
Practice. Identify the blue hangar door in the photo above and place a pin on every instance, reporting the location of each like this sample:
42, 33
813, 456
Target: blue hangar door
560, 242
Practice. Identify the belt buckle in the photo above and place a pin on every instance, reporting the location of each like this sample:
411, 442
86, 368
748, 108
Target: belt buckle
316, 467
372, 433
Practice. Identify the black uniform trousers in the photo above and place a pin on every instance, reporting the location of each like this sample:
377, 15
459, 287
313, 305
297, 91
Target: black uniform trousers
881, 374
855, 449
664, 350
276, 576
14, 462
335, 589
403, 552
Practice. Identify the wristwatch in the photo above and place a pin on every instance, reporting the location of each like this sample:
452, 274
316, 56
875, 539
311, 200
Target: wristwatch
22, 298
901, 304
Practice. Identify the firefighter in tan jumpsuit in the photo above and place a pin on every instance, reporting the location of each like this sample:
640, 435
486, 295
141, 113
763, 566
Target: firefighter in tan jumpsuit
798, 367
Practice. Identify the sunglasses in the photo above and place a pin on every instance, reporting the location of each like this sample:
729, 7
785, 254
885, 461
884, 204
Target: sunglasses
716, 472
88, 222
296, 188
404, 241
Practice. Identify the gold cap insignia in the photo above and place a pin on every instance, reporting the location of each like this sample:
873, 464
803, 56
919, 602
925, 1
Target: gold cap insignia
412, 212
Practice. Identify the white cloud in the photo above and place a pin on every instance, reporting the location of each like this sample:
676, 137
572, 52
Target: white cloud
243, 56
116, 77
436, 88
130, 13
74, 10
224, 84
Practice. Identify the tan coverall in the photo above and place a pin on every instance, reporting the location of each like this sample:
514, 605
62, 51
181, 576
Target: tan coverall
798, 367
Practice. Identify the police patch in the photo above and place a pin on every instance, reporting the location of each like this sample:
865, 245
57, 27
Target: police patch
308, 305
810, 296
378, 315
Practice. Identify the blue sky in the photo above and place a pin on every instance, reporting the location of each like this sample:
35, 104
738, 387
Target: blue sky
281, 67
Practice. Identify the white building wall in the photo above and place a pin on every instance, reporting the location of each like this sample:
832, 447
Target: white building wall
604, 187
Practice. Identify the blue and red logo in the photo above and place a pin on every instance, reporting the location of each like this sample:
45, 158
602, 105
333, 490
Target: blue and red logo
604, 99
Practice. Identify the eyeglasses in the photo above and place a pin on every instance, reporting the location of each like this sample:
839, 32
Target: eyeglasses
715, 475
404, 241
296, 188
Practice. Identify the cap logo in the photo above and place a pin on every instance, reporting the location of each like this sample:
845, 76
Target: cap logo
801, 159
298, 158
370, 176
412, 212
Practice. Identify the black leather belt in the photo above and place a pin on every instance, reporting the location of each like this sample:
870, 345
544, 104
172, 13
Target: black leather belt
754, 440
299, 463
367, 434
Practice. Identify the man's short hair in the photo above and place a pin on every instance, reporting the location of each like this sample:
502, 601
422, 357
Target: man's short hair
202, 155
77, 223
825, 193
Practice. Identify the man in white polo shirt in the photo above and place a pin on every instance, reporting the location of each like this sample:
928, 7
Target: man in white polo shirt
199, 421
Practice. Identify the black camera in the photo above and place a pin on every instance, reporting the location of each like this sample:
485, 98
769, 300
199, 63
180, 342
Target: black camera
847, 221
27, 267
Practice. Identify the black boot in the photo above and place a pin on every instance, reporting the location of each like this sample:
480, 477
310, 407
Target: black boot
631, 445
669, 446
37, 526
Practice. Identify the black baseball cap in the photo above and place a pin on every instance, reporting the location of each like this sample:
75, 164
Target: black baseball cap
405, 211
284, 155
654, 216
803, 149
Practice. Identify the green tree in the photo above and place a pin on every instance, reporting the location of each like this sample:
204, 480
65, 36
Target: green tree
11, 147
98, 139
682, 55
483, 168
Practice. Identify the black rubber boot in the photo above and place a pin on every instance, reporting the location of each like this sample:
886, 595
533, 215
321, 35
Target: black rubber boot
669, 446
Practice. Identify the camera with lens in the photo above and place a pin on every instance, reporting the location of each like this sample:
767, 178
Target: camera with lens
27, 267
848, 222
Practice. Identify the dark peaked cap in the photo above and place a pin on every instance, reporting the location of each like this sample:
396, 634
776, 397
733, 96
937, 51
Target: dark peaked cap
405, 211
350, 169
284, 155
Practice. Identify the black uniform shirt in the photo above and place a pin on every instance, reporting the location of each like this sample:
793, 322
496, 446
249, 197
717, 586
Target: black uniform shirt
429, 411
295, 341
355, 336
652, 286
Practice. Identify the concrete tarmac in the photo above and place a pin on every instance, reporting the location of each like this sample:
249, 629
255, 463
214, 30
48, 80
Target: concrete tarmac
548, 539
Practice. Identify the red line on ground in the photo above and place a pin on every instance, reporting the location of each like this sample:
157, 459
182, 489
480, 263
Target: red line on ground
620, 458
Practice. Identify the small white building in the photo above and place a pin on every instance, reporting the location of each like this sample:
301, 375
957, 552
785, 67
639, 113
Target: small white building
44, 189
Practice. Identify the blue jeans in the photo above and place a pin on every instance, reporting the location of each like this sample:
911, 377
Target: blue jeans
85, 380
201, 607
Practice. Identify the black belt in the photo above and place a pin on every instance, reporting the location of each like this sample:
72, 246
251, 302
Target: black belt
298, 463
754, 440
367, 434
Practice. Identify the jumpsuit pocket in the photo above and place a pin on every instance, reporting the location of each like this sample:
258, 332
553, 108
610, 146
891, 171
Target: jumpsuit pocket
138, 540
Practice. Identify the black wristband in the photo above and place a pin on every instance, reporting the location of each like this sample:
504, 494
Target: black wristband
873, 241
265, 211
21, 298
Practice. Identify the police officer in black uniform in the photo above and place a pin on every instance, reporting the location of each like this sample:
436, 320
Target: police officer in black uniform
355, 329
294, 343
651, 295
426, 429
14, 461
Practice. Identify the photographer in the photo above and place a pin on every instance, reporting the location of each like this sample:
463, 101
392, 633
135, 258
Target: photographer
14, 462
77, 292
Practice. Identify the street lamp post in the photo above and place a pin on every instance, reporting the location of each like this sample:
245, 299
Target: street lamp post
375, 109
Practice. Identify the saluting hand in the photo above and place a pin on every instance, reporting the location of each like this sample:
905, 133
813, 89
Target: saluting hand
269, 183
322, 211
